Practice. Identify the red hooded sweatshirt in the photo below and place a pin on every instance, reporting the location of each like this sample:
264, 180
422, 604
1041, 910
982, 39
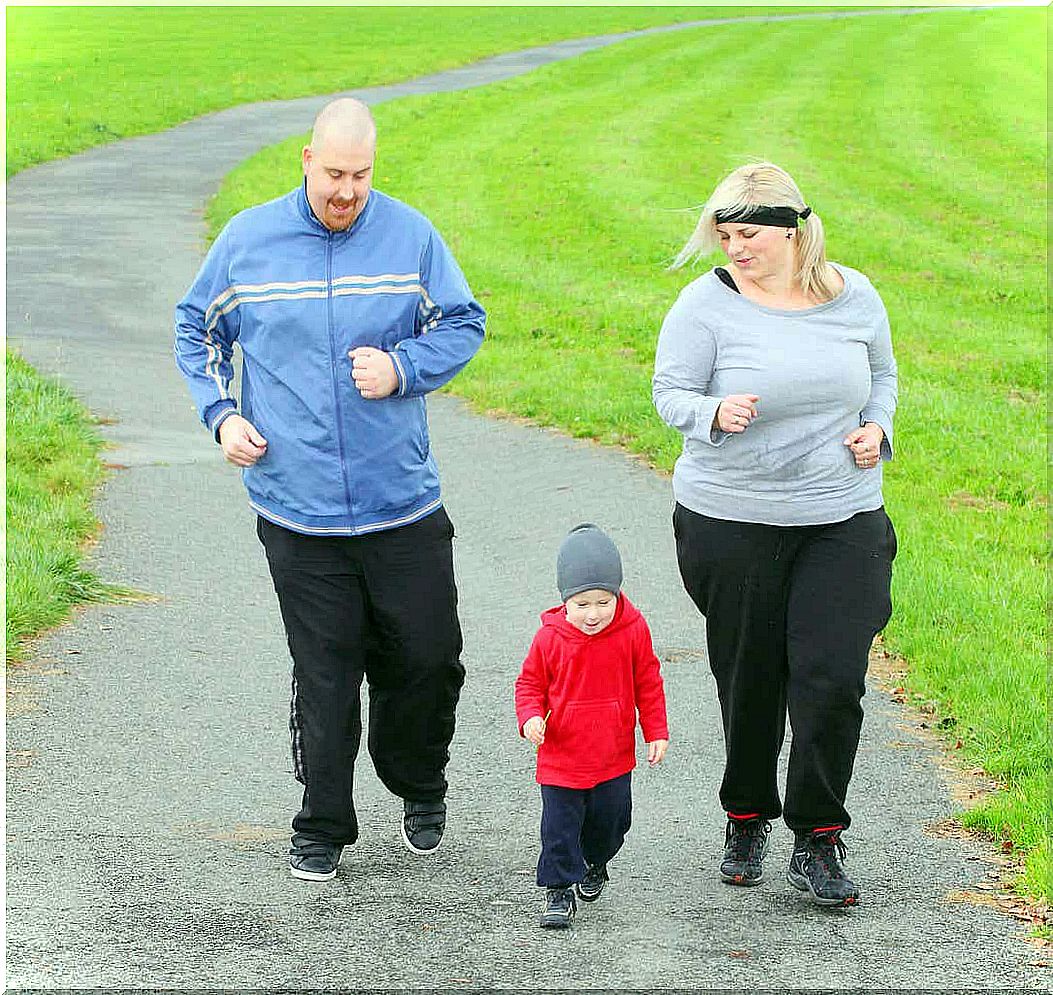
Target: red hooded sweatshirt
594, 686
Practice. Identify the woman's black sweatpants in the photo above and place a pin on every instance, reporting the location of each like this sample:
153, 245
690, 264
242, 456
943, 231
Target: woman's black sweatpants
791, 613
383, 606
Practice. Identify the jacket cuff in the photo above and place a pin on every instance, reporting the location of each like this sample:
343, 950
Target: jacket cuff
658, 732
708, 413
217, 415
403, 371
879, 417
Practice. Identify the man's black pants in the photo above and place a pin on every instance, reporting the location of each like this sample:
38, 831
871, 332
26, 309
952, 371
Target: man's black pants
382, 605
581, 826
791, 613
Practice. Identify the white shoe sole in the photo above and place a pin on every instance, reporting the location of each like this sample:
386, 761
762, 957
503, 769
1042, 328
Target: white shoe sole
589, 896
312, 875
412, 848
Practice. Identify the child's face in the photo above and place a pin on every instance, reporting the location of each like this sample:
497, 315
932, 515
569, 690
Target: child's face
591, 611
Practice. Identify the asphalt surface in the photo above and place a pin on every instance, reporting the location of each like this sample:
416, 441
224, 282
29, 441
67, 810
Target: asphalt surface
149, 783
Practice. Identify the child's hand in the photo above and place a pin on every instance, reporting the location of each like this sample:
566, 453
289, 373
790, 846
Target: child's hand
656, 750
534, 730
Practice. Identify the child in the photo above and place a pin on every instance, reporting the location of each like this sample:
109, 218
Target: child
590, 668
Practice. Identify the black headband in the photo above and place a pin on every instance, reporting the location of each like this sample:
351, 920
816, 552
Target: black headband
757, 214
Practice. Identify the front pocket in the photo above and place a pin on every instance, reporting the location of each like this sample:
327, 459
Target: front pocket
594, 731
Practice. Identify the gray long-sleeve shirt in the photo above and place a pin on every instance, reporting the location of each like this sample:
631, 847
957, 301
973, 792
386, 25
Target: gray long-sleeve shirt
820, 373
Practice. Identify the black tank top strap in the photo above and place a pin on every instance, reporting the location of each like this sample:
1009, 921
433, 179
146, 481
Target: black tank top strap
725, 277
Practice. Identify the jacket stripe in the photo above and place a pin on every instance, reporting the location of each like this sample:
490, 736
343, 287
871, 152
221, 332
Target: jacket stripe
399, 371
430, 312
263, 288
231, 299
213, 357
336, 530
260, 293
241, 288
382, 278
390, 288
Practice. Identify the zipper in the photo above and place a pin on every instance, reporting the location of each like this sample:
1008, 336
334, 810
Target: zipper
334, 368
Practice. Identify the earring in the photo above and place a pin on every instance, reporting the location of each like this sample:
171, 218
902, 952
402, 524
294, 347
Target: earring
789, 234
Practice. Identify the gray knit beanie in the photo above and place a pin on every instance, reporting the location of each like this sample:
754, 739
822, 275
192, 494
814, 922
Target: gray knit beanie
587, 560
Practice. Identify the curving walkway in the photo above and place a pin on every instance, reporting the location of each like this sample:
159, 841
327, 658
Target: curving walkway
149, 784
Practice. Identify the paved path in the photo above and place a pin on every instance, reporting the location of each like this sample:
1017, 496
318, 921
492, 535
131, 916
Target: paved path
149, 784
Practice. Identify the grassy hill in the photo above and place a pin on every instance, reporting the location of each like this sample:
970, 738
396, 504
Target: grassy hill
921, 143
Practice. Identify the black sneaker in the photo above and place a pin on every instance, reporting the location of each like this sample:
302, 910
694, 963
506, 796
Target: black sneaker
313, 860
559, 908
591, 886
423, 824
815, 867
745, 845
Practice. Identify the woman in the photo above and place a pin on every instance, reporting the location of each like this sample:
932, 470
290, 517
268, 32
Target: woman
778, 371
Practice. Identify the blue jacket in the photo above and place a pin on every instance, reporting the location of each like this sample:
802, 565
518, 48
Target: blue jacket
297, 298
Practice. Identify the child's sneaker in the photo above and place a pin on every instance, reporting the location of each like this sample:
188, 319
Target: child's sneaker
745, 845
559, 908
591, 886
815, 867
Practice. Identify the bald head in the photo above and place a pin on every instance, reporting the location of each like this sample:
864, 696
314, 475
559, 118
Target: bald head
345, 120
338, 164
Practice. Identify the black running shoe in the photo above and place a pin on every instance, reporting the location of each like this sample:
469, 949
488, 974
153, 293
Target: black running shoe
559, 908
423, 824
816, 867
313, 860
745, 845
591, 886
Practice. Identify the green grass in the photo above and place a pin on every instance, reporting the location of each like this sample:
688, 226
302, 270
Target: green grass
82, 76
921, 143
53, 469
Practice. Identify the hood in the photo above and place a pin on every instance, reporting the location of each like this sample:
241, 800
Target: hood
556, 618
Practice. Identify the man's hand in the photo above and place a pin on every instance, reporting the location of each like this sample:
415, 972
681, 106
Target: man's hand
373, 371
242, 444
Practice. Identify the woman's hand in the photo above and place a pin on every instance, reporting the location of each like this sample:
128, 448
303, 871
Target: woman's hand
736, 412
865, 444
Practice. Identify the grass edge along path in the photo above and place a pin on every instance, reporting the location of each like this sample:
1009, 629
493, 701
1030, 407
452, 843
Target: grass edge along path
580, 256
53, 473
67, 91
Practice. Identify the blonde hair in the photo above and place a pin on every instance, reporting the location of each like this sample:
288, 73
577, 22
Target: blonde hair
765, 184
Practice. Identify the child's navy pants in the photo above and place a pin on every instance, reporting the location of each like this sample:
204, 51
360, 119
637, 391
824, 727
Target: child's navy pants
581, 826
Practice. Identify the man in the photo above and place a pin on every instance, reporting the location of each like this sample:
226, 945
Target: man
348, 309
